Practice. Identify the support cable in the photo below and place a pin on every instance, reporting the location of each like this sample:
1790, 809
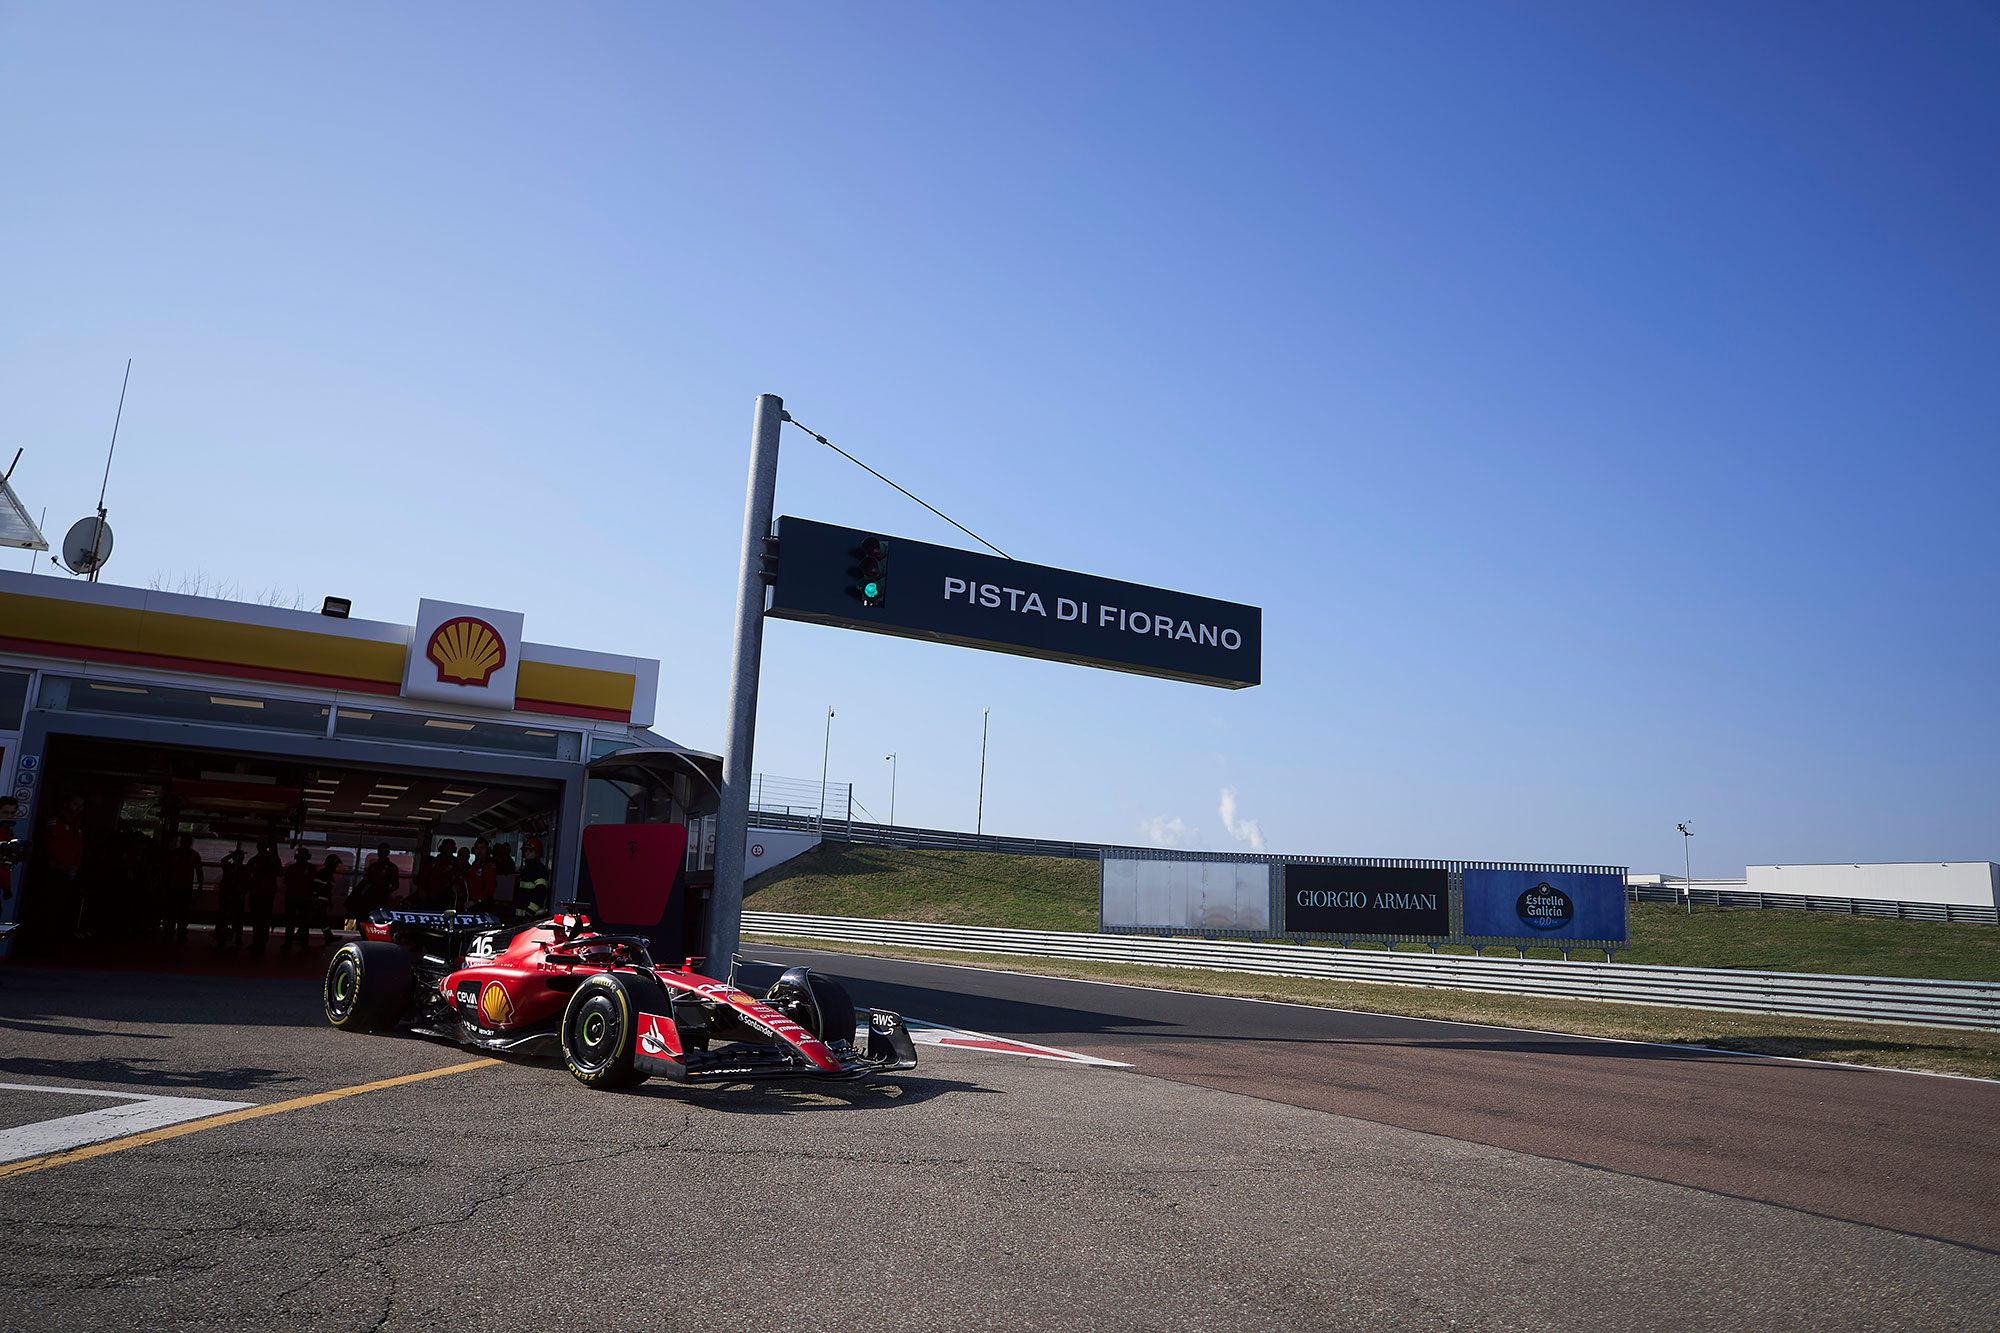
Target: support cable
879, 477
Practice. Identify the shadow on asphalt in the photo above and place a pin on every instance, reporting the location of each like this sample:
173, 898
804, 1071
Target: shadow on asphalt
807, 1097
749, 1097
51, 996
141, 1072
68, 1030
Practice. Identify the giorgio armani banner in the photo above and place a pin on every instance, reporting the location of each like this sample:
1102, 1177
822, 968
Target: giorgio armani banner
1366, 900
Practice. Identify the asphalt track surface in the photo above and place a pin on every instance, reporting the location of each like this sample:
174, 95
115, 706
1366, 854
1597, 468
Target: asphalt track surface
1229, 1180
1909, 1152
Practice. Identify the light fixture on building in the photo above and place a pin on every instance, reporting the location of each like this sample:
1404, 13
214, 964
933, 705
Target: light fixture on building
338, 607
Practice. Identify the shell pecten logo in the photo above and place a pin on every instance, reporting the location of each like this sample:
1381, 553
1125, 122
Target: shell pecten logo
496, 1006
466, 651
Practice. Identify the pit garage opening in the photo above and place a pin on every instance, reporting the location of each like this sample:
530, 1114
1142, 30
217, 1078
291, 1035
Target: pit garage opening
136, 800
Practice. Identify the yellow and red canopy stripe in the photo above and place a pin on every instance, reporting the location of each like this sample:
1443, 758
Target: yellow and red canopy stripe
129, 636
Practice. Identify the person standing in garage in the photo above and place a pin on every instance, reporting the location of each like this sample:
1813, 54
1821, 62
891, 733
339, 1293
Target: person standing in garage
325, 882
61, 882
263, 872
482, 877
231, 881
298, 899
181, 880
378, 884
531, 893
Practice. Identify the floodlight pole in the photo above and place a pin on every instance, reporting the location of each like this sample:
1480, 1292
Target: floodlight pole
979, 820
825, 751
732, 832
892, 789
1687, 863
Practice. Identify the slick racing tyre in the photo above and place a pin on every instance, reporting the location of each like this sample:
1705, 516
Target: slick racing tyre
367, 986
600, 1033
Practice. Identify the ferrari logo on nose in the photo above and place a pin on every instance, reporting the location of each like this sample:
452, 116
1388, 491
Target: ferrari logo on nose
495, 1005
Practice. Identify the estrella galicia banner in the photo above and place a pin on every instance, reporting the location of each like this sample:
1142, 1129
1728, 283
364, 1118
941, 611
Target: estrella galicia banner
1544, 904
1366, 900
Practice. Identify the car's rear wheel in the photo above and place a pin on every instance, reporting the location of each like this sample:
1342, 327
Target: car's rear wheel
367, 986
600, 1034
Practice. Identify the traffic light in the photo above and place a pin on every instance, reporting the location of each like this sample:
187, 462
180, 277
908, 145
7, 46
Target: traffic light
869, 571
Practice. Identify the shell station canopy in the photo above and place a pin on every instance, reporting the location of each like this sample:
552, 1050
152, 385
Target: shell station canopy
457, 701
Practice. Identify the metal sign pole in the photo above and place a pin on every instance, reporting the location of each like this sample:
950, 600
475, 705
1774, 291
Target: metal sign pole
725, 909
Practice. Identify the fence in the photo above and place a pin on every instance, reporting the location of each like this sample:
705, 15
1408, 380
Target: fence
890, 835
800, 802
1966, 1004
1670, 892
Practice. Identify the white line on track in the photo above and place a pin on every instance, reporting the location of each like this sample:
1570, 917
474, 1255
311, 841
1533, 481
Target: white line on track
142, 1111
937, 1034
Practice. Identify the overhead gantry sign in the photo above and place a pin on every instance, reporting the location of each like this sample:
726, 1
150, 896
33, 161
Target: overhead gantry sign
861, 580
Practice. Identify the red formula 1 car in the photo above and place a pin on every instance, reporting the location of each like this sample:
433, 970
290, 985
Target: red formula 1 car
618, 1017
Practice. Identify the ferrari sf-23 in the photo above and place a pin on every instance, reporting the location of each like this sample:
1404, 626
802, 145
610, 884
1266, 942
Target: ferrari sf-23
618, 1017
586, 977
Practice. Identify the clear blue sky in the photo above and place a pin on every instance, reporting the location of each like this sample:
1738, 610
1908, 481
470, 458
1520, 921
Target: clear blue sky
1600, 400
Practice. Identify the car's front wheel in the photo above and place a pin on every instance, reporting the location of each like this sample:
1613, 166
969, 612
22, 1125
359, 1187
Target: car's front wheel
600, 1034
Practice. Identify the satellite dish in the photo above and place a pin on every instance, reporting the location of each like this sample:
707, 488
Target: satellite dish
88, 545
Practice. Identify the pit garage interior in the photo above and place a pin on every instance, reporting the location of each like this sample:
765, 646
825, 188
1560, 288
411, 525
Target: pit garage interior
230, 800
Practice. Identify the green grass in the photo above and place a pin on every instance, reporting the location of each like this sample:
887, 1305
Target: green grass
961, 888
1048, 893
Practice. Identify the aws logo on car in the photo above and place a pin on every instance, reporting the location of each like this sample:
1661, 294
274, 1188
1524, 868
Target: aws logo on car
1545, 907
466, 651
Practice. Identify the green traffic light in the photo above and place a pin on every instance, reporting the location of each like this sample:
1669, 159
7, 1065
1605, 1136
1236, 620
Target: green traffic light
871, 589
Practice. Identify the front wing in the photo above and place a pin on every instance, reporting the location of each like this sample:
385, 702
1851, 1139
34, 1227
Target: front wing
881, 1044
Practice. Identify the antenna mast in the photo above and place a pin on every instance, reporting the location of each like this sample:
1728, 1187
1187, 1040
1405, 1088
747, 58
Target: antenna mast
98, 535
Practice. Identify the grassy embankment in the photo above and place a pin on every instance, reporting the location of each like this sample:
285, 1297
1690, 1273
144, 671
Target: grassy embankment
978, 889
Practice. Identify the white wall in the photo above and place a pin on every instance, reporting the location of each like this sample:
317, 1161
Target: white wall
1966, 883
1186, 895
768, 847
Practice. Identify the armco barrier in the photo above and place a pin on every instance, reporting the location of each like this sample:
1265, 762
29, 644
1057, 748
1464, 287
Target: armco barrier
1966, 1004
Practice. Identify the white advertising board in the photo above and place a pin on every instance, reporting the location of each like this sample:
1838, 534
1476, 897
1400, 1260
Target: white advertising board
1185, 895
1962, 883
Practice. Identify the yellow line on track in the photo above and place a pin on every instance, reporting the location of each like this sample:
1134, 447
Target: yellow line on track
88, 1151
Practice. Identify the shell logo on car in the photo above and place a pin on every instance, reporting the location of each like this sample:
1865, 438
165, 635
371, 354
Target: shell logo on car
496, 1006
466, 651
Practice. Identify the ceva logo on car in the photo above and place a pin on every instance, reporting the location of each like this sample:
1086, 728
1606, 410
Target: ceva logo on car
1545, 907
